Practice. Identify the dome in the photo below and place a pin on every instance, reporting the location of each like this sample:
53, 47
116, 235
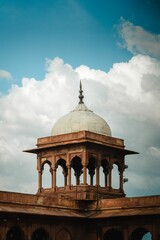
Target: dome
81, 119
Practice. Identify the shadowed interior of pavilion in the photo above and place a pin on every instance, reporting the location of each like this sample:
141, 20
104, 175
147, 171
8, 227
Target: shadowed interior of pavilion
78, 184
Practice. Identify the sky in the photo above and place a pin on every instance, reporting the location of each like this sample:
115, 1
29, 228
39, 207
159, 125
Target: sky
46, 47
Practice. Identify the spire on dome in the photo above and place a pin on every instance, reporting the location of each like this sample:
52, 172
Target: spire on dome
81, 94
81, 119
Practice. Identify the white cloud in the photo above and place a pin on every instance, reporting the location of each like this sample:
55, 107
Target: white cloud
138, 40
124, 97
128, 88
155, 151
5, 74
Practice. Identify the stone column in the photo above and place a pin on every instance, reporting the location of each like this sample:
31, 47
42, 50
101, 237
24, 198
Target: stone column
125, 233
110, 178
39, 174
51, 171
54, 178
121, 180
84, 174
84, 162
155, 232
4, 229
97, 175
69, 175
65, 179
39, 180
69, 171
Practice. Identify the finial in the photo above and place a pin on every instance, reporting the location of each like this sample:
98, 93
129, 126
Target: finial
81, 94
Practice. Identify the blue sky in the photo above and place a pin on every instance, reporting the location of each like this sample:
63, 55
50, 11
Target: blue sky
80, 32
46, 47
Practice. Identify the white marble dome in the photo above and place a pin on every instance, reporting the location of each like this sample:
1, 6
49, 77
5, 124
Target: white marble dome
81, 119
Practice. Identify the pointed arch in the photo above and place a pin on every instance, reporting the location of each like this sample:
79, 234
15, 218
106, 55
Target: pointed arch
40, 234
105, 171
62, 170
15, 233
46, 174
140, 234
76, 165
113, 234
63, 234
91, 166
115, 175
45, 162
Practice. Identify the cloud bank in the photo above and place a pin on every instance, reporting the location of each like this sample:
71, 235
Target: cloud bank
127, 97
138, 40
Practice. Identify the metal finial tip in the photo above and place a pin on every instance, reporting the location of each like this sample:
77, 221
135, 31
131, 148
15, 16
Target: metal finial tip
81, 94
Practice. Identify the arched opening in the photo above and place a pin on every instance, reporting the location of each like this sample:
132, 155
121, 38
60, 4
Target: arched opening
77, 166
15, 233
105, 171
141, 234
47, 178
73, 178
40, 234
91, 166
113, 234
61, 169
115, 176
63, 234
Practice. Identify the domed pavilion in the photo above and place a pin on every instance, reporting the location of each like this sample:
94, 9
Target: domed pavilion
82, 146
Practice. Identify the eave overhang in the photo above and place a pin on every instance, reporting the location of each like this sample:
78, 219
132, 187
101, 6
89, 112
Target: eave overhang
83, 137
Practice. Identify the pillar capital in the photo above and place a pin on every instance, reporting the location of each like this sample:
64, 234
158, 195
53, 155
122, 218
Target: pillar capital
40, 171
98, 165
68, 165
84, 164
